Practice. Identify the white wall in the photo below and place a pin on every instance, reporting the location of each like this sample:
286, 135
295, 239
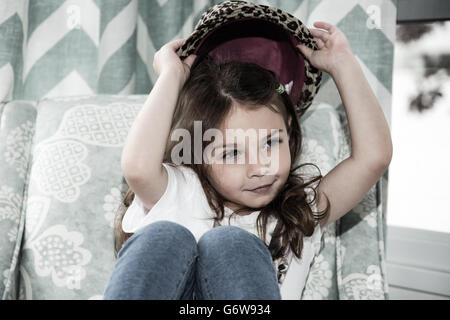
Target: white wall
418, 264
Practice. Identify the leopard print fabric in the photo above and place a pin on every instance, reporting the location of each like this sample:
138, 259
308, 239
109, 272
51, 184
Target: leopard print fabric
235, 10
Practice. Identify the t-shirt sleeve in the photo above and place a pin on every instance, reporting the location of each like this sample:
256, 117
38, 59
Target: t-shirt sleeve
177, 188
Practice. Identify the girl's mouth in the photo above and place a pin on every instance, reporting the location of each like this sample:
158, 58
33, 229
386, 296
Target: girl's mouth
262, 189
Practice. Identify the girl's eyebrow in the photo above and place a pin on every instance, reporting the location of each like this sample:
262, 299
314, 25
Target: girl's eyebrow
263, 138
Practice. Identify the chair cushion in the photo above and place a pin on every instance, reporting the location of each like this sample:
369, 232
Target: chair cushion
75, 187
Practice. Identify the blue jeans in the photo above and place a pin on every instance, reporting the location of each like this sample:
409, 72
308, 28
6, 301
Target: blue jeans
164, 261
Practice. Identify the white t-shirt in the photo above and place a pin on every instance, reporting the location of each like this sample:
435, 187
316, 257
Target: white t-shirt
185, 203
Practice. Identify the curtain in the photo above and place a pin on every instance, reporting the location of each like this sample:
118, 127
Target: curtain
52, 48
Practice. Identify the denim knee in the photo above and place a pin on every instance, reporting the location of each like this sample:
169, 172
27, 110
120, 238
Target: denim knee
235, 264
166, 235
156, 262
231, 239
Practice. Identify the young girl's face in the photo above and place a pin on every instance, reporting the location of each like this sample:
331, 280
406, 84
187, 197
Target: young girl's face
235, 180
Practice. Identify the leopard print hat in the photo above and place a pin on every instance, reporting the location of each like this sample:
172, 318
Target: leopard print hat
244, 31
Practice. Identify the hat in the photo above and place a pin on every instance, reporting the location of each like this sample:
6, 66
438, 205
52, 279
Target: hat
248, 32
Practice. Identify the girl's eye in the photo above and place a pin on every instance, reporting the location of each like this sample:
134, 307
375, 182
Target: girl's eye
234, 152
227, 153
274, 141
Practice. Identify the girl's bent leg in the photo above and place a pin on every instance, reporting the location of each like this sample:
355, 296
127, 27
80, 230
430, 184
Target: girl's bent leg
157, 262
234, 264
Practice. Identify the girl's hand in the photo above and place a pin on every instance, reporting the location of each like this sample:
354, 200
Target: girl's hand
167, 60
333, 47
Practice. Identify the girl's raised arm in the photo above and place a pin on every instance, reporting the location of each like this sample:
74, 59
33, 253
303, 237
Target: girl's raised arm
371, 143
143, 153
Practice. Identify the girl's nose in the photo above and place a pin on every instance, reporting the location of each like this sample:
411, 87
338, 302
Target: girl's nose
255, 170
264, 165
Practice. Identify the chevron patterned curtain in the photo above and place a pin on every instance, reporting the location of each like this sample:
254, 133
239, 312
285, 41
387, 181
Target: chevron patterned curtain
51, 48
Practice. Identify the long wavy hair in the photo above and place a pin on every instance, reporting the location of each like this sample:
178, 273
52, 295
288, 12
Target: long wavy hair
208, 96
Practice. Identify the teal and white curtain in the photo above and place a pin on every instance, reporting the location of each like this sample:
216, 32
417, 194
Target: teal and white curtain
57, 48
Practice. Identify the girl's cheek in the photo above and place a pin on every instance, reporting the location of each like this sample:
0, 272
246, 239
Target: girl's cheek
224, 173
285, 159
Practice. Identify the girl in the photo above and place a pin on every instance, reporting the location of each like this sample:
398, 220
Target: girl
174, 241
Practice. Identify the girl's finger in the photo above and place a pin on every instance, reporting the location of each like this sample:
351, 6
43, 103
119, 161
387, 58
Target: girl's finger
305, 50
174, 44
190, 60
177, 43
319, 43
323, 35
325, 25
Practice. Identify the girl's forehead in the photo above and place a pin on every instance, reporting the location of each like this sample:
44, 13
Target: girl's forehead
255, 117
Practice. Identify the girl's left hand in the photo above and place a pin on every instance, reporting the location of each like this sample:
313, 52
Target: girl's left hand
333, 47
167, 60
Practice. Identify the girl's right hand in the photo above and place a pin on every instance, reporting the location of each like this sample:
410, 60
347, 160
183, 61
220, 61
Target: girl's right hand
334, 47
167, 60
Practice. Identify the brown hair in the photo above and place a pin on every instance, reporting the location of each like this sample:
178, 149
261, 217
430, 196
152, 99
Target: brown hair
208, 96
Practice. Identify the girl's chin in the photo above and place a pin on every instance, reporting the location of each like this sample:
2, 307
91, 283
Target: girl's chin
259, 201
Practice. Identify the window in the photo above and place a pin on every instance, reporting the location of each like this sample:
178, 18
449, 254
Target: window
419, 174
418, 212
